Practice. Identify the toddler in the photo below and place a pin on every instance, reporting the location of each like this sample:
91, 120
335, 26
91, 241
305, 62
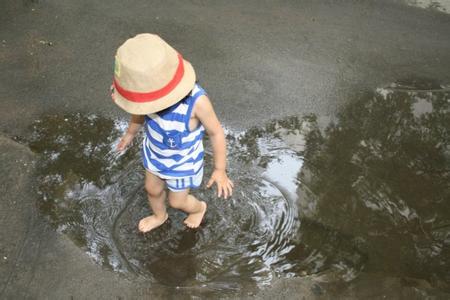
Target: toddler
158, 88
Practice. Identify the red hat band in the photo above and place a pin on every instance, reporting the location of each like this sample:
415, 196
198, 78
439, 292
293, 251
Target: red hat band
154, 95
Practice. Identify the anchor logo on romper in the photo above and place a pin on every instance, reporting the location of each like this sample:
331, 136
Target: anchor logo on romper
172, 141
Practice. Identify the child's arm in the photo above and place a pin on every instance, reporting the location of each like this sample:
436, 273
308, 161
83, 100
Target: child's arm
204, 111
133, 127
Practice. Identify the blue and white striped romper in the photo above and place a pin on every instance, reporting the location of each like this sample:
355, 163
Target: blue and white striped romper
170, 150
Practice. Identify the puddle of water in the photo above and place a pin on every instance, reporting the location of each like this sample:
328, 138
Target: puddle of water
76, 175
365, 193
96, 197
382, 173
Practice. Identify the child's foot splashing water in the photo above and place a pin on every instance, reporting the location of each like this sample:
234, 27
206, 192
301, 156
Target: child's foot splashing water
158, 88
195, 218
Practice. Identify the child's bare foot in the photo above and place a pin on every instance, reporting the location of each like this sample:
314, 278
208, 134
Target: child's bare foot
149, 223
194, 219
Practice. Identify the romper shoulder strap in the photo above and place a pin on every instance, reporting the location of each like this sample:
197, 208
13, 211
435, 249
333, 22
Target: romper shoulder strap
197, 91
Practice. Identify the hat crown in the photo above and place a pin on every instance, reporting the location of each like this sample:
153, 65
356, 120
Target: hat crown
145, 63
149, 75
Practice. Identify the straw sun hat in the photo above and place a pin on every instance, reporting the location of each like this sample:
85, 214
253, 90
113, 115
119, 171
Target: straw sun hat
149, 75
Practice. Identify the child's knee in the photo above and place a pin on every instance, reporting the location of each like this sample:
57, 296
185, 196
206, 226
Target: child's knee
154, 191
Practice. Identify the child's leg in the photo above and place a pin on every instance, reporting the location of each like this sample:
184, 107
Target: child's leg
189, 204
156, 198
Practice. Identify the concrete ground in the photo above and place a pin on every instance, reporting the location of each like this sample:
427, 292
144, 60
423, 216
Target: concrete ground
258, 60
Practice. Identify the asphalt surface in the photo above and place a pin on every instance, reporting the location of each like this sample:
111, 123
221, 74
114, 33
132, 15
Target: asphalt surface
258, 60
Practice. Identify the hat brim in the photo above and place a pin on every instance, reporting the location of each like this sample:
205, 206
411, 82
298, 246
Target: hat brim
179, 92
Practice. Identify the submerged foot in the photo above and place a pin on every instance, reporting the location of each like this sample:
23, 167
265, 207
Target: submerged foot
194, 219
149, 223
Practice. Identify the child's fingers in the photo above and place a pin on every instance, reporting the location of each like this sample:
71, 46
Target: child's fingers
219, 191
123, 144
230, 188
225, 192
228, 191
210, 182
120, 146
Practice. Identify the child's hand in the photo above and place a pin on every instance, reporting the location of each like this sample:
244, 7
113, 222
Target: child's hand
126, 140
224, 184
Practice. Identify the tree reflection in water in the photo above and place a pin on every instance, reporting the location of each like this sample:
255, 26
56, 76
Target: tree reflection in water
381, 173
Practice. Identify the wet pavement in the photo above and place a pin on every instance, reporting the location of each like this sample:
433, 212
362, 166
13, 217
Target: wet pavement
340, 186
355, 194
